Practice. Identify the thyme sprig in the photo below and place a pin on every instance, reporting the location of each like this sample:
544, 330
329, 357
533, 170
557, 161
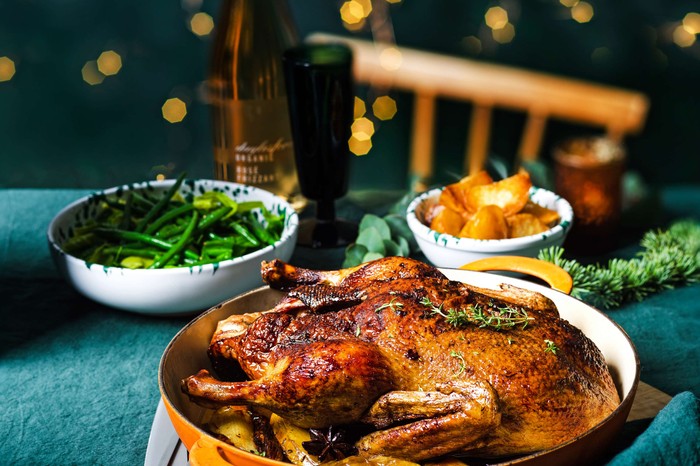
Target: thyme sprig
668, 259
394, 305
551, 347
496, 317
462, 362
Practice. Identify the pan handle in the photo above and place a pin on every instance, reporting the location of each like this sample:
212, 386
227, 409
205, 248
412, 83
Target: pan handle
555, 276
209, 452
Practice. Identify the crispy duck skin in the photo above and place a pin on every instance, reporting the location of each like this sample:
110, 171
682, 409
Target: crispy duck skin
367, 344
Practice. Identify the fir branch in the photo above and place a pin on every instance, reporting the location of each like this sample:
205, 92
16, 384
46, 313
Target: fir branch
668, 259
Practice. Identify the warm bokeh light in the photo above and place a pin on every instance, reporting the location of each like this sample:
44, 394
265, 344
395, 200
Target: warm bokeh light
390, 58
505, 34
359, 147
109, 63
569, 3
366, 6
91, 74
472, 45
582, 12
691, 23
7, 69
351, 12
160, 177
393, 1
356, 27
496, 18
683, 38
384, 107
201, 24
360, 108
174, 110
362, 129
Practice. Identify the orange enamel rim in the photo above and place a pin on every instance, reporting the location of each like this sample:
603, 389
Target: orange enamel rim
556, 277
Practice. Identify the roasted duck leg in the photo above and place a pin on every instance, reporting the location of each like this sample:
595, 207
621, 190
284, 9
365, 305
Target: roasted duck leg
454, 417
336, 380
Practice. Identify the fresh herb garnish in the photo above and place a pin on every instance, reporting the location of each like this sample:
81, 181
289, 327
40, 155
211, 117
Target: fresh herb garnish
462, 362
497, 318
394, 305
551, 347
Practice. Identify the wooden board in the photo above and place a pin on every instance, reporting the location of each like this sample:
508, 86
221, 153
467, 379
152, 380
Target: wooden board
647, 403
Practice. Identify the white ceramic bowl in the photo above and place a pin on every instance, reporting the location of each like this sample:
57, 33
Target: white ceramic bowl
444, 250
168, 291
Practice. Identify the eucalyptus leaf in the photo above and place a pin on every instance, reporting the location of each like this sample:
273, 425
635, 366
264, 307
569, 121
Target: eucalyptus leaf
371, 256
400, 207
372, 239
392, 248
374, 221
399, 229
404, 246
354, 254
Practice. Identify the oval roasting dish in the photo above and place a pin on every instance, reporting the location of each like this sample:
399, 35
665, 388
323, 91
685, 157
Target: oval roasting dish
187, 353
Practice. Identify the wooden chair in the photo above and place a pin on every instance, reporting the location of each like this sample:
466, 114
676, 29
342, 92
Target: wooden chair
541, 96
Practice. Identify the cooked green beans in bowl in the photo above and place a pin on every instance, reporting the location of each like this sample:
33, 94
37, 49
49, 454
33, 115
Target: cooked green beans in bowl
170, 247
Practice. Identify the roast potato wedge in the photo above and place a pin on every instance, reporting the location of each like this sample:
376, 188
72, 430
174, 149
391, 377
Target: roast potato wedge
524, 224
510, 194
547, 216
291, 438
234, 424
448, 221
489, 222
454, 196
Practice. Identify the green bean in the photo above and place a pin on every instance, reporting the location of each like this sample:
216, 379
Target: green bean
126, 217
130, 251
247, 206
243, 231
135, 236
215, 251
160, 204
168, 216
179, 246
145, 204
260, 232
168, 231
213, 217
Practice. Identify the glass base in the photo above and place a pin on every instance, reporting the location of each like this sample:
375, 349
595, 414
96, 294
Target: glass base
316, 233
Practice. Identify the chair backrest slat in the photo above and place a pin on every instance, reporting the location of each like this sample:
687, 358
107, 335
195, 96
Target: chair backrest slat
541, 96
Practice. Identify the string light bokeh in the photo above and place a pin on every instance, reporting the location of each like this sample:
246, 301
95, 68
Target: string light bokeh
131, 78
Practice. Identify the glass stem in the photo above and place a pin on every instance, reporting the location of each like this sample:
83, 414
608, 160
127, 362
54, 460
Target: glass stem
325, 210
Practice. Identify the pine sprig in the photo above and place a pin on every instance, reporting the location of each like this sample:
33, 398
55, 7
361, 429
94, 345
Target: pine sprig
668, 259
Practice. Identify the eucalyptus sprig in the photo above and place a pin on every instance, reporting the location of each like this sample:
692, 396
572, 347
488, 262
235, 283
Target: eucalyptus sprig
669, 258
380, 237
497, 318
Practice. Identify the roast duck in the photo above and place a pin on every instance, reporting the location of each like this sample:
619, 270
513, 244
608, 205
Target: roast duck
435, 367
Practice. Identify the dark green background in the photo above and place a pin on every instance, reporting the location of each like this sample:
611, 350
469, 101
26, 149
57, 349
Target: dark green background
58, 131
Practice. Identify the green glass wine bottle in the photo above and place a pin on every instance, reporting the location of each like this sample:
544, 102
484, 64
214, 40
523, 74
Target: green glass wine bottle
252, 137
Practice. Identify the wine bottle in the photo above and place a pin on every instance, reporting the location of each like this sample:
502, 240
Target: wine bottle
252, 136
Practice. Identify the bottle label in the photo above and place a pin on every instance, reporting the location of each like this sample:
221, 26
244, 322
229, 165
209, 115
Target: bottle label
253, 144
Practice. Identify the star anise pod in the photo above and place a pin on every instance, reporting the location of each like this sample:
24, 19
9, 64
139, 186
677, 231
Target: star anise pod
331, 443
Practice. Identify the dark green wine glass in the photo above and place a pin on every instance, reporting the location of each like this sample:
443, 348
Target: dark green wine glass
320, 94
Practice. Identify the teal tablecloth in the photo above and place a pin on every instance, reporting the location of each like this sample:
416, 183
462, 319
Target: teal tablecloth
79, 380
